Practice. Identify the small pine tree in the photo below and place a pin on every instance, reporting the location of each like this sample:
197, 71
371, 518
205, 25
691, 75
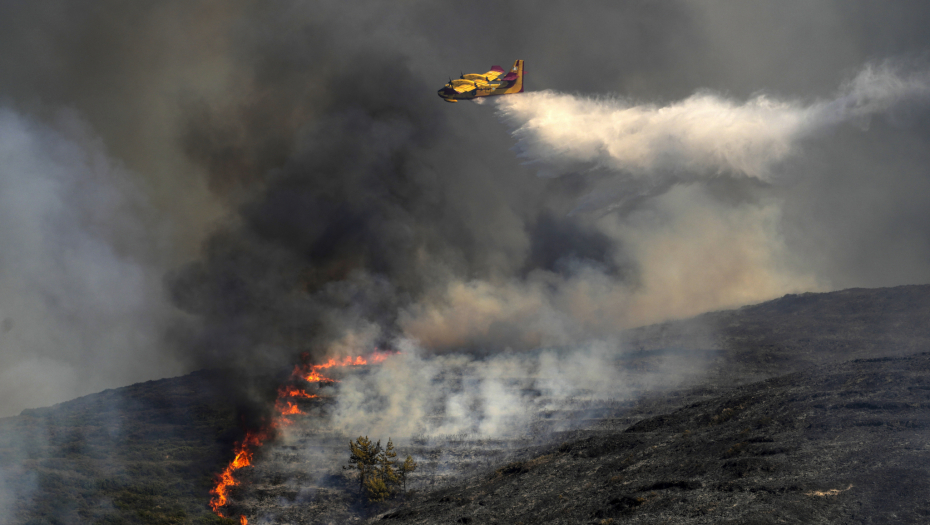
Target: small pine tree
408, 466
363, 457
387, 461
376, 489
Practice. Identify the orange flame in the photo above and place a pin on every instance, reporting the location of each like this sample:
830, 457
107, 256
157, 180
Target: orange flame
252, 440
312, 373
287, 408
380, 355
243, 458
293, 391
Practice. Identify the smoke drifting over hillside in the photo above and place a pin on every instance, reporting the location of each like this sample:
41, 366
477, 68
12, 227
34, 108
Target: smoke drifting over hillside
80, 282
298, 187
506, 395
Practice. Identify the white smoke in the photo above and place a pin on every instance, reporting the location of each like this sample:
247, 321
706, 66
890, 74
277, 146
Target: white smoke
81, 304
702, 136
502, 396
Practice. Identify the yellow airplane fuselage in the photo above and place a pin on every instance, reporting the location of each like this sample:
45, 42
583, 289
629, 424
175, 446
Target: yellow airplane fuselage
494, 82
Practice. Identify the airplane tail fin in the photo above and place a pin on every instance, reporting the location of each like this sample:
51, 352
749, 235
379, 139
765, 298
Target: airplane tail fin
516, 70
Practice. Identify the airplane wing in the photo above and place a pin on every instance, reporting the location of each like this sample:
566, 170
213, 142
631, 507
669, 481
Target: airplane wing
463, 86
494, 73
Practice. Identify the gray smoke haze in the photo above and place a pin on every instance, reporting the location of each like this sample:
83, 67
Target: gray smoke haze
287, 176
81, 300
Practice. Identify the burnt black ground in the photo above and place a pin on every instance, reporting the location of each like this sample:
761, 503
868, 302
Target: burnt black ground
806, 393
842, 443
796, 332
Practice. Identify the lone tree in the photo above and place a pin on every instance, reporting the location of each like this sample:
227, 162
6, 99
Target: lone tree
363, 457
408, 466
379, 474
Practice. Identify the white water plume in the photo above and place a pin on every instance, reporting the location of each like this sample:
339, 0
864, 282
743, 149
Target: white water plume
701, 136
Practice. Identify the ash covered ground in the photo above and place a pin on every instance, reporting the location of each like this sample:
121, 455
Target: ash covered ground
840, 443
460, 423
809, 408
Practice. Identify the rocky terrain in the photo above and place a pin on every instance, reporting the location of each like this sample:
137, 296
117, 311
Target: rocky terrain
809, 408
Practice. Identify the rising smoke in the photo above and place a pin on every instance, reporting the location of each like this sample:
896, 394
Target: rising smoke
81, 299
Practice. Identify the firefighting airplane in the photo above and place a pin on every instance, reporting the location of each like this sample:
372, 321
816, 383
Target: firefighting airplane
494, 82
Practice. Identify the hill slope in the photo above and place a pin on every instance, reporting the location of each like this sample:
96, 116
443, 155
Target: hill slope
839, 444
147, 453
796, 332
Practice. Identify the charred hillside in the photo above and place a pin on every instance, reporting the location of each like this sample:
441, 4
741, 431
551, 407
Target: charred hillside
145, 453
804, 395
828, 426
796, 332
837, 444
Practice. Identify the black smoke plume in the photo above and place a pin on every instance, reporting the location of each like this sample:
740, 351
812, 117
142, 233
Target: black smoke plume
291, 170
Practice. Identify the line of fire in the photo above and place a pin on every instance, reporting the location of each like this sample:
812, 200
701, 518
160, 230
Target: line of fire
496, 81
285, 405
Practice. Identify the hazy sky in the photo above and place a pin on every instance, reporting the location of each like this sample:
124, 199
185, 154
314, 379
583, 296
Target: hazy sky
206, 183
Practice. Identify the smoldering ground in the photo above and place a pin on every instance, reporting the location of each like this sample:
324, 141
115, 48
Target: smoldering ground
456, 414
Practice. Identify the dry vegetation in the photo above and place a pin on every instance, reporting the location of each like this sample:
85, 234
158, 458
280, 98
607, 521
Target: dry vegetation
140, 454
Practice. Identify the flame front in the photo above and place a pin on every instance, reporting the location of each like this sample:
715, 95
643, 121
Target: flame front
287, 408
284, 407
293, 391
243, 458
312, 373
